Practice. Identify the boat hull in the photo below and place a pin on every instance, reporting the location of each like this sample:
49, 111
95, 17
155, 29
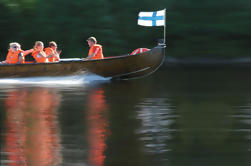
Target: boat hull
120, 67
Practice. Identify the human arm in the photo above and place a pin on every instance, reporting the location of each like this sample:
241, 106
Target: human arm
27, 52
40, 57
53, 53
57, 55
20, 58
90, 56
93, 53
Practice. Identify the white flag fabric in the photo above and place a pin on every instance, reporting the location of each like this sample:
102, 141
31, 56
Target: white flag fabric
156, 18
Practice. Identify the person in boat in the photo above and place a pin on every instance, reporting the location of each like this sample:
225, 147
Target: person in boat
38, 54
52, 52
16, 54
95, 51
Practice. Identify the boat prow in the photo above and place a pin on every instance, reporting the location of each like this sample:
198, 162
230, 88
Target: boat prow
135, 66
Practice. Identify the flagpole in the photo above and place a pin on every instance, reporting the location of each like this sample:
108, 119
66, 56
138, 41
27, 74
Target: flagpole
165, 26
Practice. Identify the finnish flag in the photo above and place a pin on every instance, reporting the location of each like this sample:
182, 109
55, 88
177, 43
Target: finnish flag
156, 18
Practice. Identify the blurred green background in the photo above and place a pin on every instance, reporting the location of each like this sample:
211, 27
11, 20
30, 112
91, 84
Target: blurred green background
207, 28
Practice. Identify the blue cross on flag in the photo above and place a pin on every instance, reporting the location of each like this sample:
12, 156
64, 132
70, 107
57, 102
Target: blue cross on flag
156, 18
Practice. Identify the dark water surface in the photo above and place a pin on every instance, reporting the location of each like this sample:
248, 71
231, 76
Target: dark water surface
176, 117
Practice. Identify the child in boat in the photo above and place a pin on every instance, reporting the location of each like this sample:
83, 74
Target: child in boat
38, 53
52, 52
16, 54
95, 51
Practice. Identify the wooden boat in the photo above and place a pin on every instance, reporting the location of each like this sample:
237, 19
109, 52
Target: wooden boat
117, 67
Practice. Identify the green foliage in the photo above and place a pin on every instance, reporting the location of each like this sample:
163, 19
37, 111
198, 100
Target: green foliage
194, 27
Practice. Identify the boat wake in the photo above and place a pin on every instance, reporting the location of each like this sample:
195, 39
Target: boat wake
75, 80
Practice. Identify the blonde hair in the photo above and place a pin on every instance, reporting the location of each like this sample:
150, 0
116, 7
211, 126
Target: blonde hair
52, 43
38, 43
93, 39
15, 44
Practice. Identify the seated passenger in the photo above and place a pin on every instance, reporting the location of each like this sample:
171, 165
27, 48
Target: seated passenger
95, 51
15, 54
52, 53
38, 53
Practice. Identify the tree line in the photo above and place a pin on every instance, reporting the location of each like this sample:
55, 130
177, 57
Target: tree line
194, 27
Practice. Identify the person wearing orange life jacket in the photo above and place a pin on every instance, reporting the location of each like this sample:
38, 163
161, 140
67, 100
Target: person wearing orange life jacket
95, 51
52, 53
38, 53
15, 54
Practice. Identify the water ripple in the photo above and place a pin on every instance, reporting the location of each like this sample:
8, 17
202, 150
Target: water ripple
156, 115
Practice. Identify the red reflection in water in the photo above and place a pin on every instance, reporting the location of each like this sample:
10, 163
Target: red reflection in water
97, 125
32, 128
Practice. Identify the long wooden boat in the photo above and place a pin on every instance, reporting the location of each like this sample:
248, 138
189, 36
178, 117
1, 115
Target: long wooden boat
117, 67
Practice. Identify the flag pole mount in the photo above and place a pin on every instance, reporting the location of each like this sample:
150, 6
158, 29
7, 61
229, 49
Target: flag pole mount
165, 26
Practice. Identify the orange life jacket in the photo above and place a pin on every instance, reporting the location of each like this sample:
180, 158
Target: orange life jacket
97, 50
13, 57
139, 50
49, 51
38, 57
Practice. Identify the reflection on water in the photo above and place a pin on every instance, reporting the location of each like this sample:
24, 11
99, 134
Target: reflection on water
32, 134
97, 127
205, 121
186, 118
156, 115
207, 132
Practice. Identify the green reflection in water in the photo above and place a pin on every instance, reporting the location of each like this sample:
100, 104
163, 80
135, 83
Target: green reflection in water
205, 123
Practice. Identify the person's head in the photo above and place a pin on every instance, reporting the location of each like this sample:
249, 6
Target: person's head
39, 45
15, 46
91, 41
53, 45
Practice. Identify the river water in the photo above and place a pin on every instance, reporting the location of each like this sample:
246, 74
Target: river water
175, 117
